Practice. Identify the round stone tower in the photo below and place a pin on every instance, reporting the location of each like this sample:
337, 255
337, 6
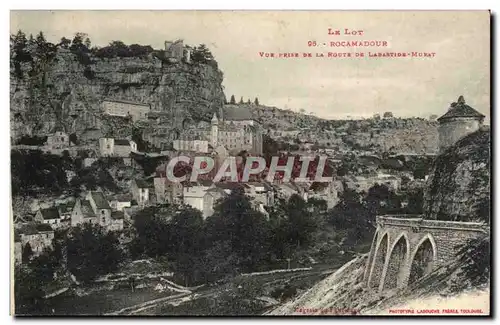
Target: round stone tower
459, 121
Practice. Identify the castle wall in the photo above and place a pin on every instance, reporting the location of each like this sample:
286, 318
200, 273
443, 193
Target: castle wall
137, 111
452, 130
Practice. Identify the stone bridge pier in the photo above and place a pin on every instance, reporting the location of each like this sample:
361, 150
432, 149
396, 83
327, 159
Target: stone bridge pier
405, 248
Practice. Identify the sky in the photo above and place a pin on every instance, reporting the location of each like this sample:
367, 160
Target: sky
331, 88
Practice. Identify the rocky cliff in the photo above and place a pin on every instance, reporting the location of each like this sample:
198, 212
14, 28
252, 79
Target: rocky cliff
458, 187
345, 293
66, 92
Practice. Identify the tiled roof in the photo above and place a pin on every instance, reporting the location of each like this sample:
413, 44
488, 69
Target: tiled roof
122, 142
123, 197
50, 213
214, 190
460, 109
141, 183
99, 200
66, 207
33, 229
266, 186
87, 209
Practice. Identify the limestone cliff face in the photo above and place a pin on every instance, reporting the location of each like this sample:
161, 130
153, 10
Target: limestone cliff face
459, 184
67, 93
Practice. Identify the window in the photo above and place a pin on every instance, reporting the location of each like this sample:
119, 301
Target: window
102, 212
103, 219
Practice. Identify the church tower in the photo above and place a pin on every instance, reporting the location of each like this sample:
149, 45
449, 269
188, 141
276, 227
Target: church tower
215, 131
459, 121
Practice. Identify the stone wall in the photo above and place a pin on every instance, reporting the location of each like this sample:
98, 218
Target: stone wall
453, 130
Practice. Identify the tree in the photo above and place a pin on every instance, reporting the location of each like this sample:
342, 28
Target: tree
77, 44
351, 215
92, 251
388, 115
256, 101
28, 292
241, 100
87, 43
248, 101
27, 253
232, 100
65, 42
73, 138
236, 222
201, 54
416, 201
420, 171
184, 242
376, 117
301, 221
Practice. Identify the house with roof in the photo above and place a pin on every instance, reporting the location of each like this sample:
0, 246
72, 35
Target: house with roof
83, 213
65, 209
261, 192
21, 220
110, 147
459, 121
210, 199
167, 191
326, 191
120, 201
286, 190
193, 193
100, 207
49, 216
142, 191
117, 221
58, 140
39, 236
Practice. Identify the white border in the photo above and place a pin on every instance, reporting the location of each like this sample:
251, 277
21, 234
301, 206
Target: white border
186, 4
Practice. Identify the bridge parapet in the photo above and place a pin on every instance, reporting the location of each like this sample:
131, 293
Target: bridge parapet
417, 221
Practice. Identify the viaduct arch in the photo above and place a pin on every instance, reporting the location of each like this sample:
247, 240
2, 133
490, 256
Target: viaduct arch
406, 248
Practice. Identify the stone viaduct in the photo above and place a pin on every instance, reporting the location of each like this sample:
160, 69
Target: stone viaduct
408, 247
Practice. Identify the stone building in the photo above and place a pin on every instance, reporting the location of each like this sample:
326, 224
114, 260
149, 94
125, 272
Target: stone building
142, 191
39, 237
109, 147
95, 209
459, 121
176, 51
234, 128
124, 108
58, 140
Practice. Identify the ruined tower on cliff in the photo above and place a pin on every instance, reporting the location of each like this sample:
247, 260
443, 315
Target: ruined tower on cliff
459, 121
